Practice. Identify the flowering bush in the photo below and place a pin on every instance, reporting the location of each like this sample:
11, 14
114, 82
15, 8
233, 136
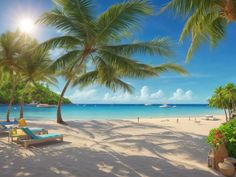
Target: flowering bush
215, 138
226, 133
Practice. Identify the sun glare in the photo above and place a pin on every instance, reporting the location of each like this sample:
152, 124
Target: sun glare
26, 25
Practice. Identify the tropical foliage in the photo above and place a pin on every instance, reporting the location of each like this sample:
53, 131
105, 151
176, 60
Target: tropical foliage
225, 98
12, 44
93, 39
225, 133
38, 93
35, 67
206, 20
23, 65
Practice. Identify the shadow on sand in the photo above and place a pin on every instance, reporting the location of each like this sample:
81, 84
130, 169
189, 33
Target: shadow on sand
66, 160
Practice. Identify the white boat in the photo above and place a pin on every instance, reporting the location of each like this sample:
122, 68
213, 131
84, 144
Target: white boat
32, 104
45, 106
165, 106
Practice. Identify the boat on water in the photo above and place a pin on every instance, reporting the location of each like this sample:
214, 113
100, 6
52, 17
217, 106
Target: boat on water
45, 106
165, 106
32, 104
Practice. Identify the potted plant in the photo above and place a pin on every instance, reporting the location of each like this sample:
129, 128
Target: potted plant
217, 141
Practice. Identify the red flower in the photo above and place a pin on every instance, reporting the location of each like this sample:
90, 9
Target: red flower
218, 136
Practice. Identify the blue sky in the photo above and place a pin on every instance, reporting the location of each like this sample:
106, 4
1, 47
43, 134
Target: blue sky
208, 68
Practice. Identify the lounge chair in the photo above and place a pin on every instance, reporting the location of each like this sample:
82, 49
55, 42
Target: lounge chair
5, 129
36, 139
210, 117
33, 129
9, 123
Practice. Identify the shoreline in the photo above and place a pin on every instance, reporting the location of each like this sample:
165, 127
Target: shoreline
218, 116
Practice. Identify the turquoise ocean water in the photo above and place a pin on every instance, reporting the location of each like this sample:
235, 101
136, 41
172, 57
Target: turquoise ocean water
112, 111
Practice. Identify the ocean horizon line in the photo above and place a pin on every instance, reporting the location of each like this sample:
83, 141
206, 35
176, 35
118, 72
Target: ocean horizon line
148, 104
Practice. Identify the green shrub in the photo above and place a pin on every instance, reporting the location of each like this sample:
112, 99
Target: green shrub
228, 132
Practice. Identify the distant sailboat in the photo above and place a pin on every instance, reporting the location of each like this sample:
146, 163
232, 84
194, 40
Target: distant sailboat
165, 106
45, 106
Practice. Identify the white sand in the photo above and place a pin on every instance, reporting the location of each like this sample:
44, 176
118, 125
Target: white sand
153, 147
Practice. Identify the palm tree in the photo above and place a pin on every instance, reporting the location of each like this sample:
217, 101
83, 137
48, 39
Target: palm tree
11, 46
95, 39
218, 100
35, 67
224, 98
206, 20
230, 94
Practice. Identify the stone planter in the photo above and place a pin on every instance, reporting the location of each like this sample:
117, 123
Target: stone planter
227, 169
220, 153
230, 160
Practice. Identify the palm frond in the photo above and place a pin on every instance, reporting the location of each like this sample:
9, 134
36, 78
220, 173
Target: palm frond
79, 9
71, 17
60, 42
170, 67
126, 66
208, 28
161, 47
183, 7
121, 17
217, 30
59, 20
86, 79
204, 22
66, 59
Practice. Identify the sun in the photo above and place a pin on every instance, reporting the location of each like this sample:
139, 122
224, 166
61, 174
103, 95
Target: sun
26, 25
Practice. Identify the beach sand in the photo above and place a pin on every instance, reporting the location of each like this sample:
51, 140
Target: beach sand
152, 147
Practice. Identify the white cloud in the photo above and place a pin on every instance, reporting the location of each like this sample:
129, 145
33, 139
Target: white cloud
180, 95
158, 94
82, 95
144, 93
144, 96
122, 97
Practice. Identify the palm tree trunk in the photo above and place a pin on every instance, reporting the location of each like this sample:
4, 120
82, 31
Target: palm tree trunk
59, 116
9, 109
226, 116
229, 111
22, 102
11, 101
231, 114
22, 106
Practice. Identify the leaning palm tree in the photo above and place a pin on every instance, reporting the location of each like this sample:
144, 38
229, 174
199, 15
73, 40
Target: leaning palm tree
95, 39
34, 68
11, 46
206, 20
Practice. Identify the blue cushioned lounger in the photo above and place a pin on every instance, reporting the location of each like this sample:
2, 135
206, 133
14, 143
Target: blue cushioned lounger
35, 139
